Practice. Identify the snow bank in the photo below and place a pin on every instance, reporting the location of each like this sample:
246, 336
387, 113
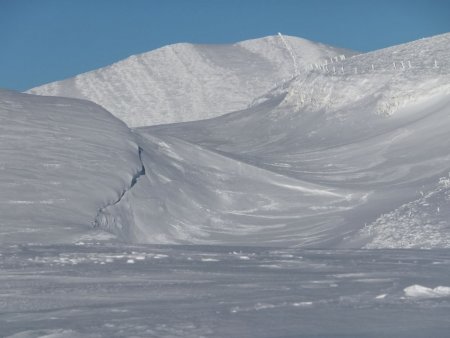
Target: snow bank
60, 161
419, 291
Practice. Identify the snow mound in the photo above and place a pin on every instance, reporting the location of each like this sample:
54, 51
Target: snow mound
185, 82
60, 161
419, 291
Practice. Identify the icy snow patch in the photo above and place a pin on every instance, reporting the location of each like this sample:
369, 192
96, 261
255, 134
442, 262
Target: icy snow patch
57, 333
419, 291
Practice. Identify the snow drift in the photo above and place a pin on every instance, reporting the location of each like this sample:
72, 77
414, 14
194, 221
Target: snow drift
61, 160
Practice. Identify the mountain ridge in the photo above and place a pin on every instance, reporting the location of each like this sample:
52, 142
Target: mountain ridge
324, 159
184, 82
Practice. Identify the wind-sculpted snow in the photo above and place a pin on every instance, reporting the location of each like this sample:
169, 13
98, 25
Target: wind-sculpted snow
382, 160
120, 290
185, 82
190, 194
324, 160
60, 161
212, 181
349, 153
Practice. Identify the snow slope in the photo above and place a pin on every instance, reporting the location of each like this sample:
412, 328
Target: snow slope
333, 158
61, 160
310, 163
190, 194
185, 82
343, 155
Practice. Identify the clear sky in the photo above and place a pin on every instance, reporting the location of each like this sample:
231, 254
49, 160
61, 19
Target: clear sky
47, 40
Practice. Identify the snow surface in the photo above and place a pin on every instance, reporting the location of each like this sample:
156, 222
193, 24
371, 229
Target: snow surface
61, 160
185, 82
326, 159
306, 170
210, 291
343, 153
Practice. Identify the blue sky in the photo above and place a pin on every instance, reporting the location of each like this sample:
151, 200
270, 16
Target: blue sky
47, 40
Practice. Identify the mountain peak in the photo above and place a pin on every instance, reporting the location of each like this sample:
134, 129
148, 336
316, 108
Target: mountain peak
185, 82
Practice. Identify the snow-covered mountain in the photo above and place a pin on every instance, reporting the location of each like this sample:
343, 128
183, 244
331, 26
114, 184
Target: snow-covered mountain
310, 163
185, 82
348, 152
342, 153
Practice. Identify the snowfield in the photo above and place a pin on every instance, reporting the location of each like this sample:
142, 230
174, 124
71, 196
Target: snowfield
291, 192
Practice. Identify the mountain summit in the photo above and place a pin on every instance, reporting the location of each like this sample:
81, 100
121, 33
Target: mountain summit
185, 82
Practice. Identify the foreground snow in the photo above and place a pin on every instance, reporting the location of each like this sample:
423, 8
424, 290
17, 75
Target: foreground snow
101, 290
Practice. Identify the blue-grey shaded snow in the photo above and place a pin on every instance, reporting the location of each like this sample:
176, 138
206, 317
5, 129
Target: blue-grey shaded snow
101, 290
61, 160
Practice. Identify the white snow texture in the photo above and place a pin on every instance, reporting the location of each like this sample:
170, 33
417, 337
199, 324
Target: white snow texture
295, 143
